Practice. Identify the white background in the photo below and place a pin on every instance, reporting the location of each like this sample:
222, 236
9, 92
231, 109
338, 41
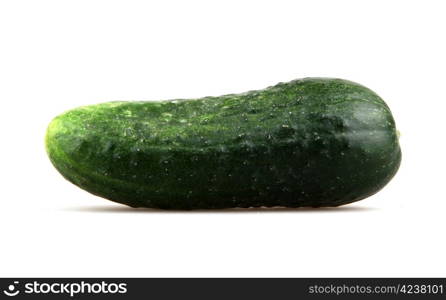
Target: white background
56, 55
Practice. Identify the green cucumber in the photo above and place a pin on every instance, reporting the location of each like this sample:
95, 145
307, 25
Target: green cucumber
309, 142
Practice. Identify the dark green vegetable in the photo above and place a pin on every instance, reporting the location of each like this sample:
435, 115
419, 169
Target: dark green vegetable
308, 142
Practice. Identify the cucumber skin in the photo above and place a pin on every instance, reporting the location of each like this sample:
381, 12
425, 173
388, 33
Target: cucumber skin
309, 142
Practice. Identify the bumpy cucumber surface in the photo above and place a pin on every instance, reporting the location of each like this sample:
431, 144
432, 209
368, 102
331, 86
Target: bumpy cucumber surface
309, 142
